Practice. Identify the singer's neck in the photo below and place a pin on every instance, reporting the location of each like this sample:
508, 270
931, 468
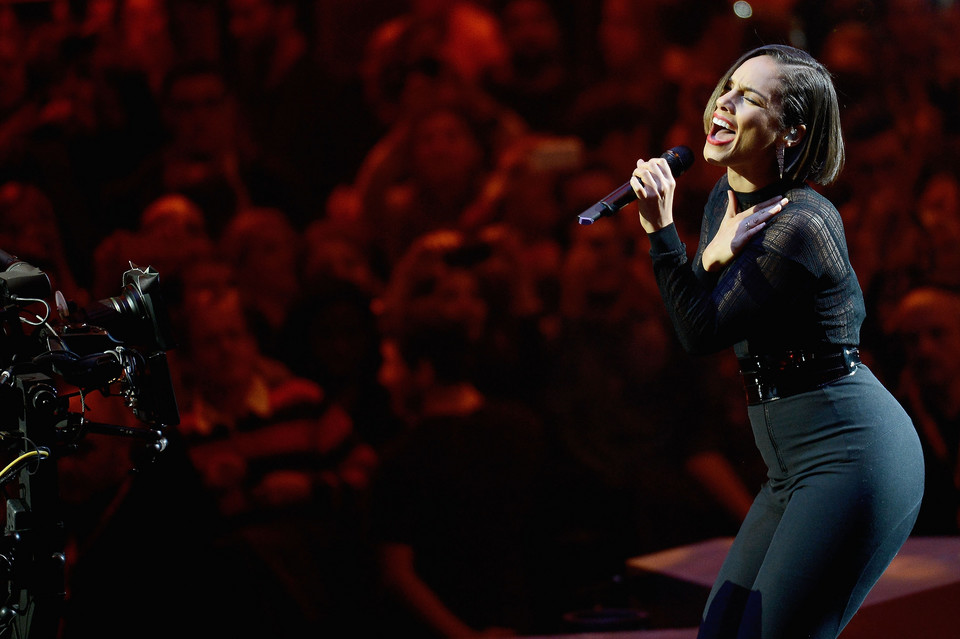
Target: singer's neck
750, 182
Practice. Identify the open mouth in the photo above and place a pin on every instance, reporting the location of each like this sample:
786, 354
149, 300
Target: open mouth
721, 132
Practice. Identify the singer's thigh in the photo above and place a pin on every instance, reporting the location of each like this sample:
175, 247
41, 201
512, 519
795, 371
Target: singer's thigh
814, 563
731, 590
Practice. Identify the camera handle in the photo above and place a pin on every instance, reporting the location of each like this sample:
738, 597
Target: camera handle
32, 548
32, 557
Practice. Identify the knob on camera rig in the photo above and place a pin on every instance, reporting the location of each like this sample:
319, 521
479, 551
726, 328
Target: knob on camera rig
48, 355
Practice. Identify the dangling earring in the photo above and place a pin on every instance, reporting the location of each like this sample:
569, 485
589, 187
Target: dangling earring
780, 148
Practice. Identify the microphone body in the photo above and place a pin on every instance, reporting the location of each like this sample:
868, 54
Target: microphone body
679, 159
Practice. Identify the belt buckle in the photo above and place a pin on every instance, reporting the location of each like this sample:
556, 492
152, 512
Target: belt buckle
851, 357
757, 388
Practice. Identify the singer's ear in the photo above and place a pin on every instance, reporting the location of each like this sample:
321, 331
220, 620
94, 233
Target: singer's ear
794, 135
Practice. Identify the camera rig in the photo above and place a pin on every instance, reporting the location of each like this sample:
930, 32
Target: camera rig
50, 354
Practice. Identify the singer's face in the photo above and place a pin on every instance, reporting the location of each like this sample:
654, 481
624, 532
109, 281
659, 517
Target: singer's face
745, 125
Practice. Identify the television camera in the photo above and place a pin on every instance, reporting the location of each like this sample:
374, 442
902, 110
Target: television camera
51, 357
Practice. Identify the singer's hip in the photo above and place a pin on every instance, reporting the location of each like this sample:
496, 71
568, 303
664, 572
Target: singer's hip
853, 426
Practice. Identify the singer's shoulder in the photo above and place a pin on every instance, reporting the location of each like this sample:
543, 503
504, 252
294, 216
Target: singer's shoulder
809, 218
807, 201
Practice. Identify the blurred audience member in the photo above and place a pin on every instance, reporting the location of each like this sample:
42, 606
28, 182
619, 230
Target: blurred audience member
482, 282
139, 524
927, 323
456, 506
937, 212
466, 35
19, 100
442, 172
413, 275
846, 51
205, 157
337, 251
283, 463
294, 111
511, 362
72, 124
629, 42
435, 49
171, 234
30, 231
265, 252
196, 29
614, 126
628, 83
143, 40
539, 82
332, 337
411, 88
521, 193
610, 398
881, 186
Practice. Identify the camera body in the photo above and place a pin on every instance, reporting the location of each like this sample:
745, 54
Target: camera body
116, 346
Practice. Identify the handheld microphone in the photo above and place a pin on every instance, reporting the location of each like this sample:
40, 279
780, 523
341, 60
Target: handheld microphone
679, 159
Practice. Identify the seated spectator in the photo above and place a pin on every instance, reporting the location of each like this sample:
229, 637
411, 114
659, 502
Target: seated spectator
139, 38
643, 473
283, 463
171, 233
136, 525
511, 272
265, 251
414, 274
539, 81
30, 231
206, 155
411, 86
295, 112
879, 183
457, 507
629, 38
482, 282
437, 46
252, 399
937, 213
519, 200
331, 336
927, 325
443, 167
333, 251
70, 124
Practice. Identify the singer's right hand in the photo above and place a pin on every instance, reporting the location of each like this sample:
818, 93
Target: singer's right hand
737, 229
654, 184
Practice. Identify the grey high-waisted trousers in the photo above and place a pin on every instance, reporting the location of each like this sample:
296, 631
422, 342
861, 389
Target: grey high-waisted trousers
844, 487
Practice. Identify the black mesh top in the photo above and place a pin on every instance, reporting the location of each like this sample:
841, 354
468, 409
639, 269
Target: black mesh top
792, 287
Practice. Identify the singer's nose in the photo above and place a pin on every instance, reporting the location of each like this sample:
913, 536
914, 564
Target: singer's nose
725, 101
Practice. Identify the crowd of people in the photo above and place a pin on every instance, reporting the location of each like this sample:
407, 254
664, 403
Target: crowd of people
414, 392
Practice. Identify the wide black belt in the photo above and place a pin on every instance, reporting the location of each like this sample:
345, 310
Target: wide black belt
768, 377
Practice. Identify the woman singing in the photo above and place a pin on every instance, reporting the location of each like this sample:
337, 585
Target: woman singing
772, 278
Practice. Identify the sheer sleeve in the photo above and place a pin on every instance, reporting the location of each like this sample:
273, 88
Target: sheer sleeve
791, 287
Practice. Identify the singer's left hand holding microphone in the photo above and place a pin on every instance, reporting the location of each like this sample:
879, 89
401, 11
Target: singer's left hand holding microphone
654, 184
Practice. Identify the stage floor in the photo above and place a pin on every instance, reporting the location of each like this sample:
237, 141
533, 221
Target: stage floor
917, 597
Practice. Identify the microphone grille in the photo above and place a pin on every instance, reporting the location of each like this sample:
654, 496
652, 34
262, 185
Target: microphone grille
679, 158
